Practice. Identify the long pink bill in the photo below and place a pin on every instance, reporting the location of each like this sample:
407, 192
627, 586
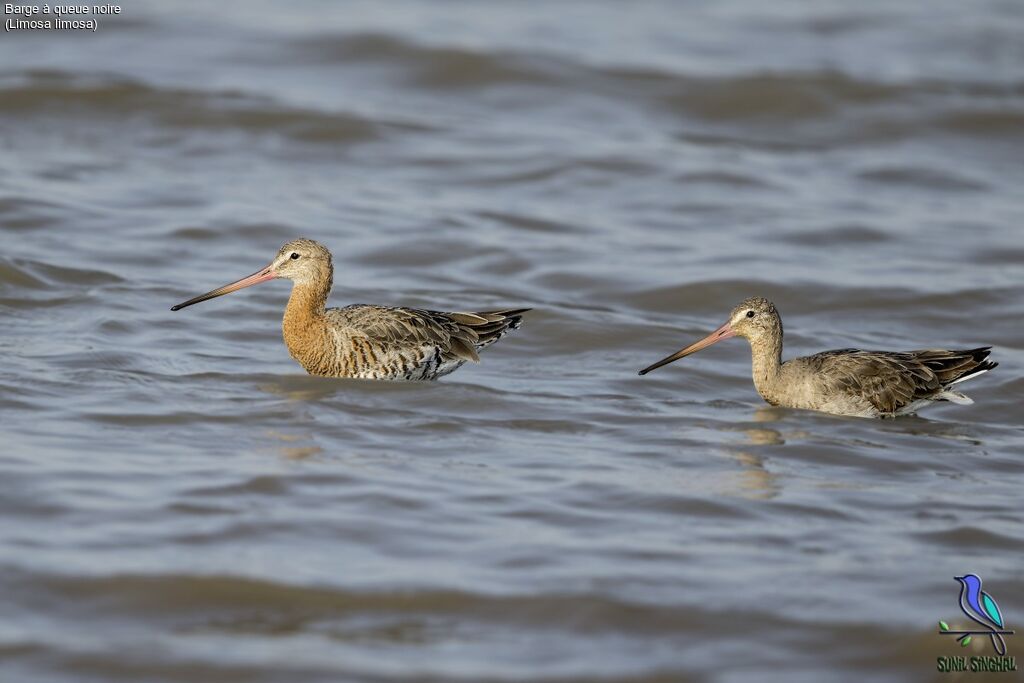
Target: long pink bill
723, 332
254, 279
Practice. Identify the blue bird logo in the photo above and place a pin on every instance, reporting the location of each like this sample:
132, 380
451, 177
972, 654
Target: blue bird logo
982, 609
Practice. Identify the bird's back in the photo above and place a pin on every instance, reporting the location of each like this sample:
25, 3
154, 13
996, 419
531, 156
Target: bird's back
381, 342
884, 383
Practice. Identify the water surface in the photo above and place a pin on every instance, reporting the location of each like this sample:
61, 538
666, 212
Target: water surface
182, 503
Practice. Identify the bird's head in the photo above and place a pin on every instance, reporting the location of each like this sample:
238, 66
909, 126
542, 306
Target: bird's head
303, 261
969, 581
754, 319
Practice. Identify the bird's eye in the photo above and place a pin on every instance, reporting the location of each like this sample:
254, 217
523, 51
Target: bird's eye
750, 314
294, 256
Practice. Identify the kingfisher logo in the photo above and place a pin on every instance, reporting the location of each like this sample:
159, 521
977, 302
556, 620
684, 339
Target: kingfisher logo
982, 610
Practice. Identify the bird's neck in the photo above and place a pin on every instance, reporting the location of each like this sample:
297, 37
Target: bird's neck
305, 326
305, 305
766, 357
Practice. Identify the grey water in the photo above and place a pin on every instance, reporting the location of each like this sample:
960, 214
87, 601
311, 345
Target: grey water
180, 502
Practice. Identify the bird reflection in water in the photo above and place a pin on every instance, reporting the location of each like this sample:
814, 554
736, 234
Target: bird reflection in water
291, 448
755, 481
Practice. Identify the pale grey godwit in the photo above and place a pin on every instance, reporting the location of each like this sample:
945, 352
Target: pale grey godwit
368, 342
846, 381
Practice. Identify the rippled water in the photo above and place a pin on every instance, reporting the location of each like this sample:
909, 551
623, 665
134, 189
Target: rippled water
181, 503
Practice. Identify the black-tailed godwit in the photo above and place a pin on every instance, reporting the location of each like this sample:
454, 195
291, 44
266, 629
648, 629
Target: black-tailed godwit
368, 342
846, 381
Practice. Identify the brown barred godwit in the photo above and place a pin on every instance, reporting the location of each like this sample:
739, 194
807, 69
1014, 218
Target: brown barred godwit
847, 381
368, 342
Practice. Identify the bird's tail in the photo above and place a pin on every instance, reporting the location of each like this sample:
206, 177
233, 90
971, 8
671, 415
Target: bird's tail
487, 327
953, 367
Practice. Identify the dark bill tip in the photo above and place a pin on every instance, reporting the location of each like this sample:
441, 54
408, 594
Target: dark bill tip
254, 279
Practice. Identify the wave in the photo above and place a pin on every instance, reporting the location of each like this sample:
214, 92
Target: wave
709, 296
441, 67
778, 110
885, 109
21, 274
103, 95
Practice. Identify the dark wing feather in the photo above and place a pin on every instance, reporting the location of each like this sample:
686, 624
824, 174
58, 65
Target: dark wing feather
953, 366
490, 326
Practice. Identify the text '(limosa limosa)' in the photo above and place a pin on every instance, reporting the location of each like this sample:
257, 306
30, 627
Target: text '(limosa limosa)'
846, 381
363, 341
